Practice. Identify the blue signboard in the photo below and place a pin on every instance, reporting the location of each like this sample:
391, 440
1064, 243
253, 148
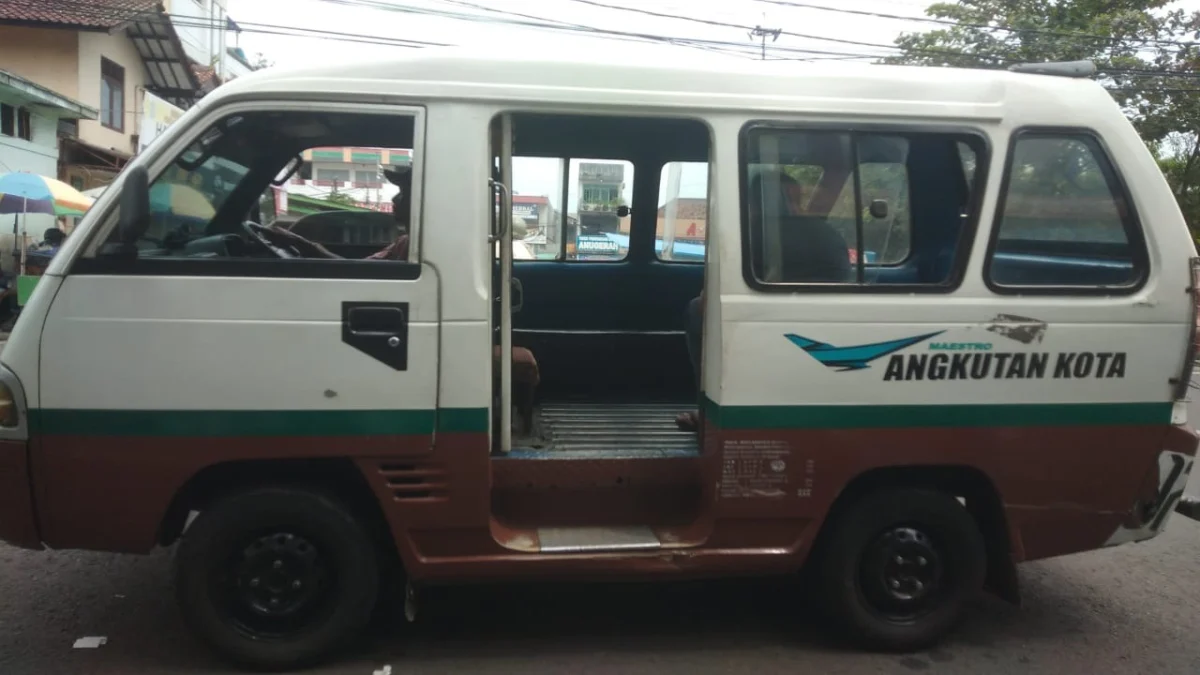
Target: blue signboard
601, 244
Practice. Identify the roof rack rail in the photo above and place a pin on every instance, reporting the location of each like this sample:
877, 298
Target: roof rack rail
1076, 69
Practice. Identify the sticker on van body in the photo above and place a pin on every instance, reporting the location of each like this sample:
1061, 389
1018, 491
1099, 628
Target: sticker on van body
974, 360
855, 357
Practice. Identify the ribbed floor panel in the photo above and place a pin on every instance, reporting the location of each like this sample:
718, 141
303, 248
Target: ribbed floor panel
608, 430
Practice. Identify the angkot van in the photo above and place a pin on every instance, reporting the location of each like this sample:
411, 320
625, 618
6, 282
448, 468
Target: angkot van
900, 328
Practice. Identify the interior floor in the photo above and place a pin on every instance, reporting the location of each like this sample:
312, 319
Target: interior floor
608, 430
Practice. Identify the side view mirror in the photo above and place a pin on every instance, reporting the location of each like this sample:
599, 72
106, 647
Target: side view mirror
134, 218
622, 211
288, 171
879, 209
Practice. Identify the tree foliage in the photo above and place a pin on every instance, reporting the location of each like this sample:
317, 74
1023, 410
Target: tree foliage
1146, 51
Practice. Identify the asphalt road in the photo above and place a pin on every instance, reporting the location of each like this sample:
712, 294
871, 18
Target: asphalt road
1133, 609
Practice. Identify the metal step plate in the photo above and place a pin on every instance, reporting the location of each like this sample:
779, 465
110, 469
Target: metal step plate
591, 539
633, 429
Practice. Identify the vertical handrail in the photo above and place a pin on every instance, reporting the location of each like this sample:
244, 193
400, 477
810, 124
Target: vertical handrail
506, 264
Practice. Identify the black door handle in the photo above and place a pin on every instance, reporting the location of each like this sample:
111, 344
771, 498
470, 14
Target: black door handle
376, 320
379, 330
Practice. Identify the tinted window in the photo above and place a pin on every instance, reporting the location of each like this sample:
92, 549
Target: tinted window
841, 207
1064, 220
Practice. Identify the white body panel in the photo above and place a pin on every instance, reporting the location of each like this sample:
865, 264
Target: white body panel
99, 336
229, 344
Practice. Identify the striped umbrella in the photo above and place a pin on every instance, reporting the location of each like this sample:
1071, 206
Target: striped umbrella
30, 193
180, 200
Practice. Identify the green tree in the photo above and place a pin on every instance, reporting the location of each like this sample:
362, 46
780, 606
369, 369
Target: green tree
1147, 58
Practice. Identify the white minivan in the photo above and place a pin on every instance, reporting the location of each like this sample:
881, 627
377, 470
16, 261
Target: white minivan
904, 327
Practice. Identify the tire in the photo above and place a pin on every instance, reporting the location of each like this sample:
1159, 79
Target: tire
277, 578
898, 566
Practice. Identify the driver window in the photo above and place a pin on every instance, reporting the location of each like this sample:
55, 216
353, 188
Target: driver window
268, 185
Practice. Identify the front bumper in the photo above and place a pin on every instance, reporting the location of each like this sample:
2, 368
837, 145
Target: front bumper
18, 526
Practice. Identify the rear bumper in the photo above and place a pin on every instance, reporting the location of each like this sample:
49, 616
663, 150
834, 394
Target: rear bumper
1166, 482
17, 523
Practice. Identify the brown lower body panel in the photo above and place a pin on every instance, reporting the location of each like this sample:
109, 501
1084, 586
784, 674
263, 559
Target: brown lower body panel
759, 495
17, 524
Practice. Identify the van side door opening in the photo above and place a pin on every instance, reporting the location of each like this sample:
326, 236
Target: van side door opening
598, 326
598, 307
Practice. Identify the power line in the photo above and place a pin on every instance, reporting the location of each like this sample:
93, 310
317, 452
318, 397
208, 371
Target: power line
961, 24
537, 22
582, 27
541, 23
806, 36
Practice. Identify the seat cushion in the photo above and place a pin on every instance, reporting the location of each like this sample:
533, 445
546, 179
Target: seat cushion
524, 366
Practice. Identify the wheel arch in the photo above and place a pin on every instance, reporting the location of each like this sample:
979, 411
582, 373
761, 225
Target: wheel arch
973, 487
338, 477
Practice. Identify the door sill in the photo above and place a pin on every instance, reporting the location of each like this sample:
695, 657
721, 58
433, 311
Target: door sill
596, 539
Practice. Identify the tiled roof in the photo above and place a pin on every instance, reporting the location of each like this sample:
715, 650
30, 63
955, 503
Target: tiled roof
206, 76
100, 14
689, 208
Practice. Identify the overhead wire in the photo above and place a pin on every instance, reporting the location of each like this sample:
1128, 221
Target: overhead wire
743, 49
963, 24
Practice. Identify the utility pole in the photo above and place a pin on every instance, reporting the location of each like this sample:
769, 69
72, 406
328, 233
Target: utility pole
762, 34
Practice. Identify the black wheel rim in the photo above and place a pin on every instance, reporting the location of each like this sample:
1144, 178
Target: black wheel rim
275, 586
904, 574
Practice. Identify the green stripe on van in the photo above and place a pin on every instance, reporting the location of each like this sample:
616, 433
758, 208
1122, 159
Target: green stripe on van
226, 423
910, 416
218, 423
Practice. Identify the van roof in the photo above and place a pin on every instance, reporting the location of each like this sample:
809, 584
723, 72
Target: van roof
702, 82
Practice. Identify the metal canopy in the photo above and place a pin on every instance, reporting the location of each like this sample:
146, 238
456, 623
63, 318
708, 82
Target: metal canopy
168, 68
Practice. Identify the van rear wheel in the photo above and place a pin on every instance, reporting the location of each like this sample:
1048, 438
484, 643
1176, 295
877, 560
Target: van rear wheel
277, 578
898, 566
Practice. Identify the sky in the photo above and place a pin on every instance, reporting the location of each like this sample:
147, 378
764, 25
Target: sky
815, 35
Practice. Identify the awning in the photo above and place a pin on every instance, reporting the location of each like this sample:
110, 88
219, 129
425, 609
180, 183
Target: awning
168, 68
107, 158
35, 95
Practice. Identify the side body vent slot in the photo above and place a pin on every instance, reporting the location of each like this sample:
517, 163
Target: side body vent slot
416, 481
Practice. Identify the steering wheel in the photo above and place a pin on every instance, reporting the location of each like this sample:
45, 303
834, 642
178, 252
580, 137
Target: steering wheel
281, 247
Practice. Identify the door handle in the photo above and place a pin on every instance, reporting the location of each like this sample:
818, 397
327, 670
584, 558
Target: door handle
379, 330
370, 320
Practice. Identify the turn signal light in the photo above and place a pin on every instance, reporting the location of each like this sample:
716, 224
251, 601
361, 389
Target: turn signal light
10, 417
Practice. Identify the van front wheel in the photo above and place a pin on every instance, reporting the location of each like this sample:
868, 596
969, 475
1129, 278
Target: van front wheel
899, 565
277, 578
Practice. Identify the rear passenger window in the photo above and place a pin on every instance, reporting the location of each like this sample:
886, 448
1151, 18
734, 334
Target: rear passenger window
594, 226
682, 212
853, 208
1064, 221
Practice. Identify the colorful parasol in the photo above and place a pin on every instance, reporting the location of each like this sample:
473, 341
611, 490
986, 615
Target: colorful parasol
180, 200
30, 193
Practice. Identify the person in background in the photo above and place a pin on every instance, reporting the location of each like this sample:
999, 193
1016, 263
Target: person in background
52, 240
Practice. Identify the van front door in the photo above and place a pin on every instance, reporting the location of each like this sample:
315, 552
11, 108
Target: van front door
222, 340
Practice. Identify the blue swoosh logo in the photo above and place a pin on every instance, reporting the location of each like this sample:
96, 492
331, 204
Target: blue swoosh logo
856, 357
